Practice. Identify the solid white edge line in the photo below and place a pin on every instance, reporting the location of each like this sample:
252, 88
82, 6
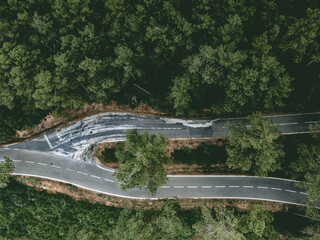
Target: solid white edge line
109, 170
124, 196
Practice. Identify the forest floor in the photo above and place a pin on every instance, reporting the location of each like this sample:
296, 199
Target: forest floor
81, 194
178, 168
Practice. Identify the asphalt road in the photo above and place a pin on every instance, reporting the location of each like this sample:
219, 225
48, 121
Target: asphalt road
57, 155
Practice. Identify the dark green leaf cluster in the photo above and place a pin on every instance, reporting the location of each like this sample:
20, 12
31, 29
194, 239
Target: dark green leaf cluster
141, 163
253, 145
6, 167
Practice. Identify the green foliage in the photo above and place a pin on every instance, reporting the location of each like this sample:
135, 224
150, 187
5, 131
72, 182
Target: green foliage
257, 224
141, 163
6, 167
223, 227
150, 224
254, 147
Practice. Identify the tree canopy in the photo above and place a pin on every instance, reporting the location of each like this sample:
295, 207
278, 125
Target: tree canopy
6, 167
141, 163
253, 145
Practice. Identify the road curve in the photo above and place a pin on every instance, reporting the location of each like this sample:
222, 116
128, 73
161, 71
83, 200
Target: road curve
57, 156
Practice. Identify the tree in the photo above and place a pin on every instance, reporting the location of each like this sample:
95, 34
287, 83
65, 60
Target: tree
6, 168
254, 147
141, 163
308, 164
256, 223
150, 224
224, 227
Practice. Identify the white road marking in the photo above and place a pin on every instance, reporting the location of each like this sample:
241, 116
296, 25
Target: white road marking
70, 170
29, 162
49, 143
108, 180
262, 187
290, 191
233, 186
16, 160
109, 170
220, 186
247, 186
95, 176
55, 166
82, 173
279, 189
205, 186
304, 193
44, 164
178, 186
192, 186
165, 186
313, 122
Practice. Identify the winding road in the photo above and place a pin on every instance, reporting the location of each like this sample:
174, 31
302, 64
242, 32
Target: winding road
62, 156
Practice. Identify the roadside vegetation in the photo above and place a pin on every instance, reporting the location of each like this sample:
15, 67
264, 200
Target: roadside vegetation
27, 213
6, 167
179, 56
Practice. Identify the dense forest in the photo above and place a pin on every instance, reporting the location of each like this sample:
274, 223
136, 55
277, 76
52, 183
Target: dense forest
231, 57
29, 214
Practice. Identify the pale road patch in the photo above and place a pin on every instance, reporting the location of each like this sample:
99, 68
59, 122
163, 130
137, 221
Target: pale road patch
47, 139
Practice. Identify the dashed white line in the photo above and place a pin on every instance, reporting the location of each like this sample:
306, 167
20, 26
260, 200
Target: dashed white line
233, 186
287, 190
205, 186
43, 164
284, 124
278, 189
178, 186
95, 176
29, 162
70, 170
82, 173
192, 186
304, 193
16, 160
220, 186
247, 186
108, 180
54, 166
313, 122
165, 186
262, 187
